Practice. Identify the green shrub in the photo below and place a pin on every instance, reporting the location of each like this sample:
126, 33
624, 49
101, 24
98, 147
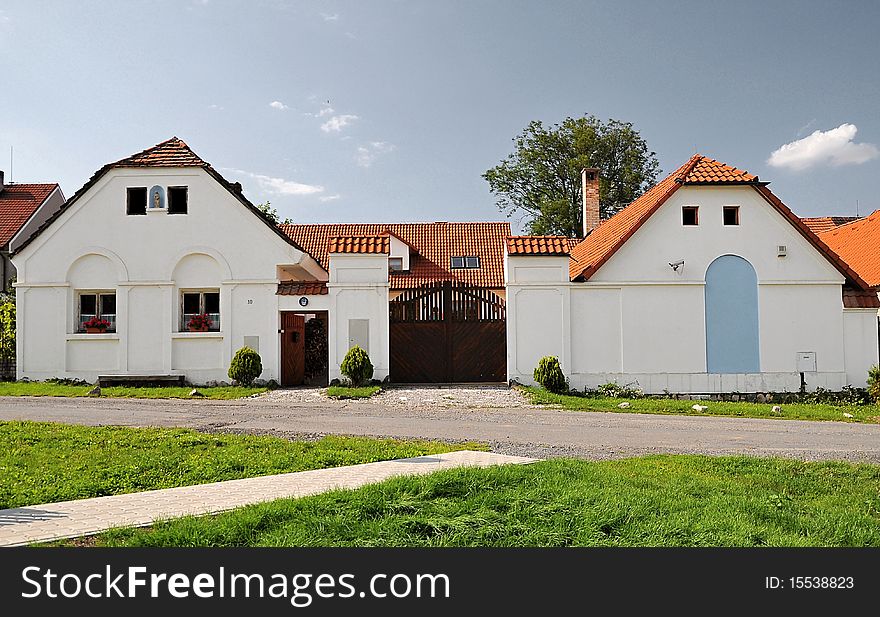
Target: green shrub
874, 383
246, 366
357, 367
549, 374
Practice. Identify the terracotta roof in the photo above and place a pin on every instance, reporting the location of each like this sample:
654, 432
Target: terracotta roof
433, 244
368, 244
858, 244
605, 240
538, 245
859, 298
170, 153
821, 224
18, 202
300, 288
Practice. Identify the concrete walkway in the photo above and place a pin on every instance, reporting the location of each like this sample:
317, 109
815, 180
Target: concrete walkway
70, 519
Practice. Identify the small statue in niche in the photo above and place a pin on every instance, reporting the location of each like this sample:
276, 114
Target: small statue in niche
156, 199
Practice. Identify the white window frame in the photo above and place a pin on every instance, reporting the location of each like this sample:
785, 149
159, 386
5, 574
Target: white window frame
185, 317
98, 293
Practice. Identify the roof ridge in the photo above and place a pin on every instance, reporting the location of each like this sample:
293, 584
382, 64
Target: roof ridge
870, 217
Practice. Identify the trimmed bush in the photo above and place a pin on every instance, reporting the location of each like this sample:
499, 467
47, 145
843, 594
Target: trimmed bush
874, 383
549, 374
357, 367
246, 366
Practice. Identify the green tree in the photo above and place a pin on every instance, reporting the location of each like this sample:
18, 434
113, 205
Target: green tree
7, 335
271, 213
542, 177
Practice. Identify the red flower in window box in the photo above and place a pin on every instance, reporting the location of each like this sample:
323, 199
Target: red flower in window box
199, 323
96, 325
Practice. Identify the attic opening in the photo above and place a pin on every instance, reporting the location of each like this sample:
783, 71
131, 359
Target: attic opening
177, 199
690, 215
136, 200
731, 215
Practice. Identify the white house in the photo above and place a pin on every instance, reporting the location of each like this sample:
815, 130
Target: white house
160, 268
707, 283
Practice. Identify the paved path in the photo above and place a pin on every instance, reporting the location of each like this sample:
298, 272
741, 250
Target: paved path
69, 519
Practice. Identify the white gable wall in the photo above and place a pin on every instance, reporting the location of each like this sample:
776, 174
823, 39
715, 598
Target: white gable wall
148, 260
638, 321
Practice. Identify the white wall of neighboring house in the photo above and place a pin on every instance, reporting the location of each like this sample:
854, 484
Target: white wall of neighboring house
358, 301
638, 321
148, 260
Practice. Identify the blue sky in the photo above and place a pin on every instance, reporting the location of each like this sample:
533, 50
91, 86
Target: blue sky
392, 110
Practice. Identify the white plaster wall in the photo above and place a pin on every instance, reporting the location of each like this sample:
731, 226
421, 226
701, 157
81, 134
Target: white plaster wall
859, 331
638, 322
358, 289
148, 260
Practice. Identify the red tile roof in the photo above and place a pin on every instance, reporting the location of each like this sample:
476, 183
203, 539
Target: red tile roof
170, 153
821, 224
17, 203
538, 245
858, 244
368, 244
300, 288
858, 298
433, 244
605, 240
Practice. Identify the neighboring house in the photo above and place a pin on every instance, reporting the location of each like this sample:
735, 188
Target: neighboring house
820, 224
23, 208
858, 244
706, 283
446, 295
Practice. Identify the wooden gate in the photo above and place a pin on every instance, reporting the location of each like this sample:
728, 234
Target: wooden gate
448, 332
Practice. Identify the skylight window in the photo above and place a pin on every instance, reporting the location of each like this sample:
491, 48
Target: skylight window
469, 262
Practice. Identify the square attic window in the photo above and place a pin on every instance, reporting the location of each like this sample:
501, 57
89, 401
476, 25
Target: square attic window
136, 200
731, 215
177, 199
690, 216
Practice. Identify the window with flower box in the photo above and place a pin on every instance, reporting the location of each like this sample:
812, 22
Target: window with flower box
200, 311
96, 308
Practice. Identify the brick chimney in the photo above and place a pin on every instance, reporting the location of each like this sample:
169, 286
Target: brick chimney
590, 190
1, 180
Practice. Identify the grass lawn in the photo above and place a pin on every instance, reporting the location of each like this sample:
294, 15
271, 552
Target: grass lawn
43, 462
43, 388
798, 411
651, 501
343, 392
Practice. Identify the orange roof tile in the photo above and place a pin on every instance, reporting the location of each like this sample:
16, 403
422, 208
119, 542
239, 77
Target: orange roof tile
538, 245
18, 202
433, 246
170, 153
858, 244
377, 243
591, 253
300, 288
859, 298
821, 224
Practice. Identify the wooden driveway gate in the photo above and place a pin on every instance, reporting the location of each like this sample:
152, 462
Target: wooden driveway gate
448, 332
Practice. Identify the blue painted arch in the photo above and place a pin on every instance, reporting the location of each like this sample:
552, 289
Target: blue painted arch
732, 331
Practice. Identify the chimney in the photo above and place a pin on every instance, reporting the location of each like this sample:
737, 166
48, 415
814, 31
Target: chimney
590, 190
1, 180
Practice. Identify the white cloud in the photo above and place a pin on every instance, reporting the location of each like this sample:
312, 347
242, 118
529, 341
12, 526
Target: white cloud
834, 147
279, 186
4, 18
326, 198
278, 105
337, 123
216, 107
326, 111
365, 156
330, 16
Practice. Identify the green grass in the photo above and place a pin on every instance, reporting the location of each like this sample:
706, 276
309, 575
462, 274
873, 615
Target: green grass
344, 392
43, 388
652, 501
797, 411
43, 462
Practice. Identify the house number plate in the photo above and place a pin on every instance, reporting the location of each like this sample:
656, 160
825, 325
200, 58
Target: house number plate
303, 301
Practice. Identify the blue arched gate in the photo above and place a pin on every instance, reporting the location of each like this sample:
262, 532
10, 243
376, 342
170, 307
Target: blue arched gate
732, 316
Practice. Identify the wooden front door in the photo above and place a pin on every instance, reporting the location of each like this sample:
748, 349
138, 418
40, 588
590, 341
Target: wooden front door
293, 350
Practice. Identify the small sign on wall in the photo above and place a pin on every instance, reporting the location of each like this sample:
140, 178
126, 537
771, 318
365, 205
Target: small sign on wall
806, 362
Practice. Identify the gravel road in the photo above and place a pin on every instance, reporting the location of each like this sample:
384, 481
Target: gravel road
536, 432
